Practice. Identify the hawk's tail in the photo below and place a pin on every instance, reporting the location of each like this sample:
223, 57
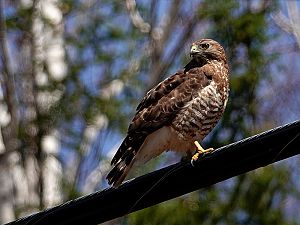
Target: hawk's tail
118, 173
124, 158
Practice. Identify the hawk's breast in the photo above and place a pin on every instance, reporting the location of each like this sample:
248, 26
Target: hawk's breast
200, 115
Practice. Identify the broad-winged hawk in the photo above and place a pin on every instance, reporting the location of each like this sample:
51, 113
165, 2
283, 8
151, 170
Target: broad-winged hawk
177, 112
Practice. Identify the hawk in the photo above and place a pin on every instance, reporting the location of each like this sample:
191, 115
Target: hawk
178, 112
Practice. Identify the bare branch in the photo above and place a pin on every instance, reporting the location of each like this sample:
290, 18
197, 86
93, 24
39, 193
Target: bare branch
7, 84
153, 14
170, 21
290, 23
293, 11
3, 45
283, 22
159, 71
159, 35
136, 18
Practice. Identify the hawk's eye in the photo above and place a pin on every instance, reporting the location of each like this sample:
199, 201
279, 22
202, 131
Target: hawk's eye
204, 46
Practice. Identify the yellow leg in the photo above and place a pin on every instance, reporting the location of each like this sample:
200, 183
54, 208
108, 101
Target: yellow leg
200, 151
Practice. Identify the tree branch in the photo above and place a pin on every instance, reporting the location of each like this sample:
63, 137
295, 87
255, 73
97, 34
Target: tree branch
7, 84
136, 18
290, 23
160, 70
159, 37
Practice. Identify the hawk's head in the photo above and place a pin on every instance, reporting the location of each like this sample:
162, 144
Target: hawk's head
207, 49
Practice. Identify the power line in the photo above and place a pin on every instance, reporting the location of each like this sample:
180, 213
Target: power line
175, 180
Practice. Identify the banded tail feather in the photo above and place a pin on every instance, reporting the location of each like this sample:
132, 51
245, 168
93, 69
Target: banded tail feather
125, 158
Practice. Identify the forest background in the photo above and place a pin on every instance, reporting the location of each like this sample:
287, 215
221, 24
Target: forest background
72, 73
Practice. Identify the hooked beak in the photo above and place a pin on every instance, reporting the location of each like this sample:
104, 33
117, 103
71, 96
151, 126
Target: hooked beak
194, 50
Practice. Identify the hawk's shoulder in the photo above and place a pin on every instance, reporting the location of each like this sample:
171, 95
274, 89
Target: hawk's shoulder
162, 89
161, 103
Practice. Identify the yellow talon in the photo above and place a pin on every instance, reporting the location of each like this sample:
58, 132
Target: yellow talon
200, 151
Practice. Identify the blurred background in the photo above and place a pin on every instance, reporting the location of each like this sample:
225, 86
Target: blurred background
73, 72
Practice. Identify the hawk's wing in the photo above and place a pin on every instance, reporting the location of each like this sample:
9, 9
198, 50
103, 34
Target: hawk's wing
157, 109
161, 90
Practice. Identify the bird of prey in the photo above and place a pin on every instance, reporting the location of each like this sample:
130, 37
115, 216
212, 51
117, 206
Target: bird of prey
178, 112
